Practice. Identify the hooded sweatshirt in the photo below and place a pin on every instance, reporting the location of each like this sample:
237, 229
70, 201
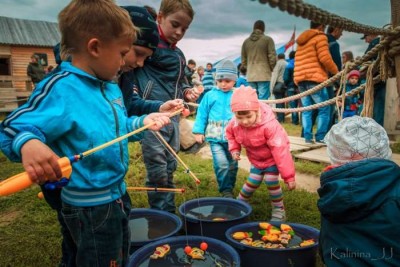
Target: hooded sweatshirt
259, 56
266, 143
313, 60
360, 214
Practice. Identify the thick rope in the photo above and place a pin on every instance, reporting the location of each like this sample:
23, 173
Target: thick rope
368, 109
299, 8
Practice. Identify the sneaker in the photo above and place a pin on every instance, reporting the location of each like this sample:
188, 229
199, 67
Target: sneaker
227, 194
309, 141
322, 142
278, 215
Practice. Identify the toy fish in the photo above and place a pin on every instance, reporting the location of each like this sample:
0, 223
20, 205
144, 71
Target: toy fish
241, 235
218, 219
265, 225
306, 243
160, 252
197, 254
258, 244
270, 238
247, 241
286, 227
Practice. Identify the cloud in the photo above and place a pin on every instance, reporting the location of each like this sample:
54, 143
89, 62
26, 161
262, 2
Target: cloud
220, 26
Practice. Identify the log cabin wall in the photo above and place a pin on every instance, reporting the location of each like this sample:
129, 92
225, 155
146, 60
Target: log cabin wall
20, 58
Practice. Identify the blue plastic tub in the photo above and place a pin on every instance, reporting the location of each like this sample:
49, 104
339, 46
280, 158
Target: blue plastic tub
148, 225
212, 216
253, 256
221, 252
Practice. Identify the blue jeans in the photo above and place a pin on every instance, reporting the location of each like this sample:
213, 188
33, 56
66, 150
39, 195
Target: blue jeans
280, 116
293, 104
225, 167
379, 103
331, 94
68, 246
161, 165
262, 88
323, 112
101, 233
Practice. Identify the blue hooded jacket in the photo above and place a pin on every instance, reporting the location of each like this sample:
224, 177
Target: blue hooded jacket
360, 214
72, 112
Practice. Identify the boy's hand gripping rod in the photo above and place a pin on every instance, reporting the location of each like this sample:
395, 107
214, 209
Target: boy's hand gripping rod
21, 181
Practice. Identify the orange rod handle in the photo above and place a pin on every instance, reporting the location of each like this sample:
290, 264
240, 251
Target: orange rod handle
21, 181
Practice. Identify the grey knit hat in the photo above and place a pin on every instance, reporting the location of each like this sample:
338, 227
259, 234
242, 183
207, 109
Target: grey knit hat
226, 69
357, 138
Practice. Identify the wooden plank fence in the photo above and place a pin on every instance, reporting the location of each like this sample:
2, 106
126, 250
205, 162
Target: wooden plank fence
10, 96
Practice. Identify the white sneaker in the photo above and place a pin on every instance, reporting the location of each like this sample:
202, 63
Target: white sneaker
278, 215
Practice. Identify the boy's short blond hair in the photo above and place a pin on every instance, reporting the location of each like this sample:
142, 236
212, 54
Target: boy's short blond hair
82, 20
168, 7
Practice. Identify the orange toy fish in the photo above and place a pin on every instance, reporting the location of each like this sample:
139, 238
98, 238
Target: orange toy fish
160, 252
197, 254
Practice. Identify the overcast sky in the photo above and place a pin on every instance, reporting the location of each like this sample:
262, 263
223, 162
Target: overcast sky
220, 26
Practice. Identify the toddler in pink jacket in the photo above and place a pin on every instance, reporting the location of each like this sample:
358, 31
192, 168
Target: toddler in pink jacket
255, 128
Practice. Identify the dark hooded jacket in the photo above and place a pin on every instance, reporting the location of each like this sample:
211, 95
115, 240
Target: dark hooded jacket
360, 214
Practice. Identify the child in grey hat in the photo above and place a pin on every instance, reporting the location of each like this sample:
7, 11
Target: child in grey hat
213, 115
359, 197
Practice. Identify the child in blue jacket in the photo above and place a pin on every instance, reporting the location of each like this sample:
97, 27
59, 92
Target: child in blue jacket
359, 197
75, 110
213, 115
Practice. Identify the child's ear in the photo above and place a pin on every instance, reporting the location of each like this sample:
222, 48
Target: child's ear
159, 17
93, 47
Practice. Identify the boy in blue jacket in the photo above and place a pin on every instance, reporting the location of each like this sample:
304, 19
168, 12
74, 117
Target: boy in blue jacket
75, 110
359, 197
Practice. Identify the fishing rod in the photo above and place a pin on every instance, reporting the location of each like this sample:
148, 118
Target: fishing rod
156, 189
159, 137
21, 181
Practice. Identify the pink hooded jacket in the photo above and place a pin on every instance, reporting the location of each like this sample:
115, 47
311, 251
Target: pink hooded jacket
266, 143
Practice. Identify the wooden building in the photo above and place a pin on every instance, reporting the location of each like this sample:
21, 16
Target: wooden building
19, 40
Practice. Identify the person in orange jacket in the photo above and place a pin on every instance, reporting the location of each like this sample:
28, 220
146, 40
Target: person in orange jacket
313, 62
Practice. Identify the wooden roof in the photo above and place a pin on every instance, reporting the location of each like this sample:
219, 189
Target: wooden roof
28, 32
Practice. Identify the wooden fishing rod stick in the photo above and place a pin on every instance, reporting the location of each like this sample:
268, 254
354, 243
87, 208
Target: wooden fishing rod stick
116, 140
22, 180
159, 136
156, 189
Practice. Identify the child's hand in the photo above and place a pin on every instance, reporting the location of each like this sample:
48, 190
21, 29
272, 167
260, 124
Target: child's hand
236, 155
291, 185
199, 138
192, 95
172, 105
40, 162
158, 120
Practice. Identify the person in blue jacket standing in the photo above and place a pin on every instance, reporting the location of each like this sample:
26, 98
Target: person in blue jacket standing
213, 115
359, 197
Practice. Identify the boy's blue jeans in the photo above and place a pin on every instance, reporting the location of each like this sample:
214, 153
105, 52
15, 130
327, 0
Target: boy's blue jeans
161, 165
225, 167
323, 112
68, 247
262, 88
293, 104
101, 233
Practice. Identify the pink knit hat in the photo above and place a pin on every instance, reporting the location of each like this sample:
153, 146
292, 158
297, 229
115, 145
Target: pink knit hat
244, 98
352, 73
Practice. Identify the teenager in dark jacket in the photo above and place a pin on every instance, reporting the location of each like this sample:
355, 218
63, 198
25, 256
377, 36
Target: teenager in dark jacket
163, 78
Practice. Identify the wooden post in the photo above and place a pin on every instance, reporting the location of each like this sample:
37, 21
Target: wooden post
392, 121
